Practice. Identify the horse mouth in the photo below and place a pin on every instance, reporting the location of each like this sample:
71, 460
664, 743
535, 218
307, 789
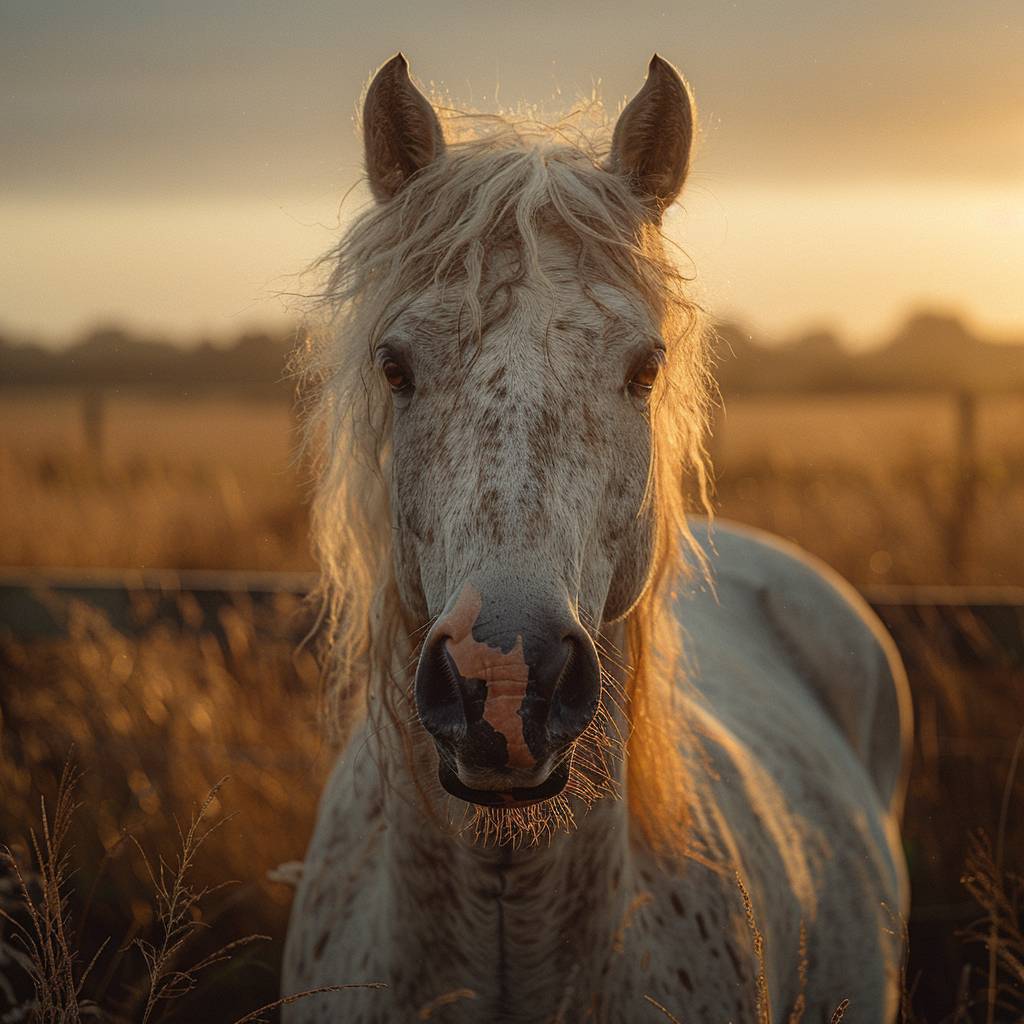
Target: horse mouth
520, 796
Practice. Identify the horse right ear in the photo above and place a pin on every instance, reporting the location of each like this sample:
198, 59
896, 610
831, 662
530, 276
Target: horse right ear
401, 132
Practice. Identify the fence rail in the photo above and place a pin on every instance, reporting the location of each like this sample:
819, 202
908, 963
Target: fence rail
983, 624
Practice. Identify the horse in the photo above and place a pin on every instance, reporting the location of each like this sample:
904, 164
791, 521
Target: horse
601, 759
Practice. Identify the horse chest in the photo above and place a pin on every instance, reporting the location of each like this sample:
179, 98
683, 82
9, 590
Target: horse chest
511, 950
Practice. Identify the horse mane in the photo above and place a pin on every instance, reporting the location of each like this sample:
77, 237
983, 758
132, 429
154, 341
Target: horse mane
503, 181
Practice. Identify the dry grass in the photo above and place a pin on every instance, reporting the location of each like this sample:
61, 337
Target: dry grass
869, 484
155, 720
968, 721
50, 943
48, 951
999, 893
764, 1010
156, 716
179, 484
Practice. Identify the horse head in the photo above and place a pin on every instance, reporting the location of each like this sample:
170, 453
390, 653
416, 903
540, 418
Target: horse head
521, 365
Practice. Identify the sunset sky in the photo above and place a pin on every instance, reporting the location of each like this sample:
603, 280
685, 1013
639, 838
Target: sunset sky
172, 166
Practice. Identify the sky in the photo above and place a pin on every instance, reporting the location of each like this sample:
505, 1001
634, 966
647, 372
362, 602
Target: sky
174, 165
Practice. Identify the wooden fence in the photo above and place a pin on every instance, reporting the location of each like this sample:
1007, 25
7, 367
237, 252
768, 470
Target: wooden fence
959, 517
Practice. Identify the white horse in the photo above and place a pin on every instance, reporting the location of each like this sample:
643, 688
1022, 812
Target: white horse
601, 762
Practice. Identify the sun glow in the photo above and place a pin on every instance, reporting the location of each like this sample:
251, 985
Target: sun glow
780, 259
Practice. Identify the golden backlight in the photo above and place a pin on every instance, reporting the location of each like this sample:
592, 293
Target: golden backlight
780, 259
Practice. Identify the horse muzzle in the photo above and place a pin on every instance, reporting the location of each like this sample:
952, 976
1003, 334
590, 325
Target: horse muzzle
504, 697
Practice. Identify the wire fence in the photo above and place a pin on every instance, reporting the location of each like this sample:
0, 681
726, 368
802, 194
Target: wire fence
983, 625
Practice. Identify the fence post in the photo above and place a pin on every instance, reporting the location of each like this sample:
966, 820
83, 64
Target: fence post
965, 482
93, 423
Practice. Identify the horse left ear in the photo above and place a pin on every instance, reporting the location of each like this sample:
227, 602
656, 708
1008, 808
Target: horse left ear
401, 132
653, 136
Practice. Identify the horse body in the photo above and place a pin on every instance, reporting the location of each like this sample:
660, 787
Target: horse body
786, 798
589, 758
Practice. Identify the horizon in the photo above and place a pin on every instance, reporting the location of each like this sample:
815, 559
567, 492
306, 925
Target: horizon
237, 280
914, 319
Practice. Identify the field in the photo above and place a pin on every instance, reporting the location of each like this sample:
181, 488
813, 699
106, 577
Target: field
887, 489
868, 483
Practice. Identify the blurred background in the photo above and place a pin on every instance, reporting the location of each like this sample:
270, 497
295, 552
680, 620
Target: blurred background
854, 221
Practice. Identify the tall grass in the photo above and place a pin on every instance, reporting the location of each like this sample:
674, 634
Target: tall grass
155, 720
50, 943
158, 714
49, 952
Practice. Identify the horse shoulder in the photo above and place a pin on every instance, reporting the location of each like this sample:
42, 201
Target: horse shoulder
835, 642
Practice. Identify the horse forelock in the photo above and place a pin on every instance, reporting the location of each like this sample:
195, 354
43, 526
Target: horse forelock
475, 223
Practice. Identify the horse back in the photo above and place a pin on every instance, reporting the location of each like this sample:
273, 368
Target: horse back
834, 644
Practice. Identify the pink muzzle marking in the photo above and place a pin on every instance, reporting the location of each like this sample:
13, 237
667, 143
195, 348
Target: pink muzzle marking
505, 673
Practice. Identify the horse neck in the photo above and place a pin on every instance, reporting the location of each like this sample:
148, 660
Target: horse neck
528, 915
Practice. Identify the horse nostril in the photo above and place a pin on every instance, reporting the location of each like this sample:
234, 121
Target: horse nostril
577, 690
439, 697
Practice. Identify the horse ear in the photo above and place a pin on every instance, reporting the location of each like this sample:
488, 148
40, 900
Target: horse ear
653, 136
401, 132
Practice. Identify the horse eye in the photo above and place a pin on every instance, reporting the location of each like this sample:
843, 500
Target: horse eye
642, 382
395, 375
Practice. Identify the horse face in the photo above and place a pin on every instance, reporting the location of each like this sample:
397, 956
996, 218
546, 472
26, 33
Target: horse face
520, 467
521, 458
